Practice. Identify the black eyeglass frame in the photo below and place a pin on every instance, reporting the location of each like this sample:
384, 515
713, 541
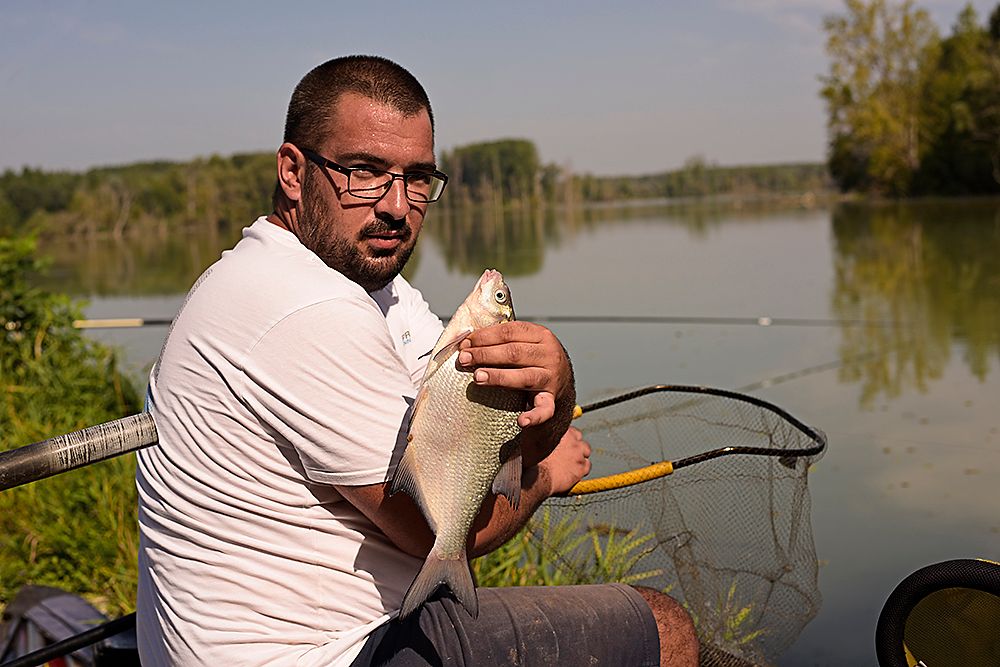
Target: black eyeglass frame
348, 171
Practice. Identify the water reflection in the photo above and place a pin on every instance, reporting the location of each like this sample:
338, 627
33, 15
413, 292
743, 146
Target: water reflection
139, 265
469, 239
927, 276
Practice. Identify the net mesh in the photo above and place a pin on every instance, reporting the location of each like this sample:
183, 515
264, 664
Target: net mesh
729, 537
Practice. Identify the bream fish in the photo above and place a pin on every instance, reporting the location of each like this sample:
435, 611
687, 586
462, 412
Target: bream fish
462, 442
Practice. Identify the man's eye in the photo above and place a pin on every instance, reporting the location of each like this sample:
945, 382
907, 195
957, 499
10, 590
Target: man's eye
366, 172
418, 178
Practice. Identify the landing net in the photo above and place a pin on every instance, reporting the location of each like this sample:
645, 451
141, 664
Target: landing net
729, 537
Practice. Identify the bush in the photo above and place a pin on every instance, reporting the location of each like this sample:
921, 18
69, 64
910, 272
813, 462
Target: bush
76, 531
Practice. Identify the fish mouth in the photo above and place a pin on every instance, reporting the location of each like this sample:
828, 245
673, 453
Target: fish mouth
488, 275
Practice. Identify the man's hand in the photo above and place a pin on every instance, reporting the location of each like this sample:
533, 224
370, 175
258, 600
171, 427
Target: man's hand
521, 355
568, 463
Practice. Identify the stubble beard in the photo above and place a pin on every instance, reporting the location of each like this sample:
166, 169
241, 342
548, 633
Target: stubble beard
372, 269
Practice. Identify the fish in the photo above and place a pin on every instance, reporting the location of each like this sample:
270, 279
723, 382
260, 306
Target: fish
463, 442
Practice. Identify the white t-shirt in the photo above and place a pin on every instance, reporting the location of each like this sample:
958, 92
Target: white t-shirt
279, 378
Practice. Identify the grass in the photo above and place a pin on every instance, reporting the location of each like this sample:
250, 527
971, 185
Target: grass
550, 552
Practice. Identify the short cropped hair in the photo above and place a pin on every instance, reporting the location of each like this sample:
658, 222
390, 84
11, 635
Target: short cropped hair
315, 97
377, 78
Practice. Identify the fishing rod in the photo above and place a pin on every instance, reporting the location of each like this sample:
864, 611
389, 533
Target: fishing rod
74, 450
762, 321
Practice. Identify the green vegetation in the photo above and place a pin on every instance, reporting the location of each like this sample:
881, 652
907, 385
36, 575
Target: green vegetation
734, 622
564, 552
908, 112
221, 195
76, 531
156, 197
492, 171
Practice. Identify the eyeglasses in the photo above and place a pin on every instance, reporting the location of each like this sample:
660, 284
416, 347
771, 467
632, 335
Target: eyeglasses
421, 187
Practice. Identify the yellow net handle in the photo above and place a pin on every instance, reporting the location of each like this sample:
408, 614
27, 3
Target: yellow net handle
622, 479
598, 484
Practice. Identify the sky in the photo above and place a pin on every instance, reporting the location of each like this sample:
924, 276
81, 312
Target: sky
600, 87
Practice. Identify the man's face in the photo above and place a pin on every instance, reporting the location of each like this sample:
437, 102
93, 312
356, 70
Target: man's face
367, 240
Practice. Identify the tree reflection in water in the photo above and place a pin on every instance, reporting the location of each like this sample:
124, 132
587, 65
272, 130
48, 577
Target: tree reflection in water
927, 276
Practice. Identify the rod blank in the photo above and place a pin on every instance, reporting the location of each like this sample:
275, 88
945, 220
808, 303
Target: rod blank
74, 450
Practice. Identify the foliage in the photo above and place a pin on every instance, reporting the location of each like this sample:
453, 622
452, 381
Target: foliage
547, 553
508, 168
77, 531
699, 178
220, 195
732, 625
217, 193
909, 113
880, 55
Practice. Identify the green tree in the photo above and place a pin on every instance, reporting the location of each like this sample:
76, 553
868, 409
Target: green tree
505, 169
880, 55
986, 110
955, 160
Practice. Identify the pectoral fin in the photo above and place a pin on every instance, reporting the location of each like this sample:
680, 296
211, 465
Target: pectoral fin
446, 351
508, 480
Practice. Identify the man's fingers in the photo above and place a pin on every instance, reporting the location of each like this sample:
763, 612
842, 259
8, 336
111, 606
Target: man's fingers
542, 411
507, 332
509, 355
528, 379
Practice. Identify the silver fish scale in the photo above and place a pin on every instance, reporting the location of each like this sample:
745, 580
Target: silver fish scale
455, 476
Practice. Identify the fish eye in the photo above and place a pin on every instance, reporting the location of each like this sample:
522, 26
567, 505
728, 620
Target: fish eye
500, 296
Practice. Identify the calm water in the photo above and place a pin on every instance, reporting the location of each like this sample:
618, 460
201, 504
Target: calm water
909, 400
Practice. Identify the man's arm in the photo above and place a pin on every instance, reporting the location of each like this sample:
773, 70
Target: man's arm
517, 355
400, 519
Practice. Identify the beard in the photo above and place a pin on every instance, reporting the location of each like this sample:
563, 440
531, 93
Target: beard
371, 268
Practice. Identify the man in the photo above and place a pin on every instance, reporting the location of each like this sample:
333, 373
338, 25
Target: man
268, 536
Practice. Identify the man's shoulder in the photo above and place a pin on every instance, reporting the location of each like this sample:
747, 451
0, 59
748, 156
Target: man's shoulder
272, 269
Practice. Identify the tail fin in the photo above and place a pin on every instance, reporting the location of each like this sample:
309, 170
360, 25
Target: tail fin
454, 572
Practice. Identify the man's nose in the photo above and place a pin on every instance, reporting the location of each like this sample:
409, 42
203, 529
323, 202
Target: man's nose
394, 202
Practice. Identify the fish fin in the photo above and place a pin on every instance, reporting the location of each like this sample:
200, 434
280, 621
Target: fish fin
508, 480
453, 572
404, 479
448, 348
439, 356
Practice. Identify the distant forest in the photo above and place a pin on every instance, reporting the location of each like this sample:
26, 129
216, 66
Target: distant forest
232, 191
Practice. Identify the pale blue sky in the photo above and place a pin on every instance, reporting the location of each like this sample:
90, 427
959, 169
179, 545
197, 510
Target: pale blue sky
610, 88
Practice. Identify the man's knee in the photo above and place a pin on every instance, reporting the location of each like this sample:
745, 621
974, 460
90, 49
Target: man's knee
678, 641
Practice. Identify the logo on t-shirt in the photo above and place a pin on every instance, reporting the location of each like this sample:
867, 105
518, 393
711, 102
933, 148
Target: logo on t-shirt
406, 337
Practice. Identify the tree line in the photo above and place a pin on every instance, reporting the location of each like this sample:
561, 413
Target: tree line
910, 112
224, 193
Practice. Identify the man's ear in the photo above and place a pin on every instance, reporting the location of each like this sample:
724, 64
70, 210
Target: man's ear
291, 171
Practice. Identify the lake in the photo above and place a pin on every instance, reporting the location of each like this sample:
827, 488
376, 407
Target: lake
883, 331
